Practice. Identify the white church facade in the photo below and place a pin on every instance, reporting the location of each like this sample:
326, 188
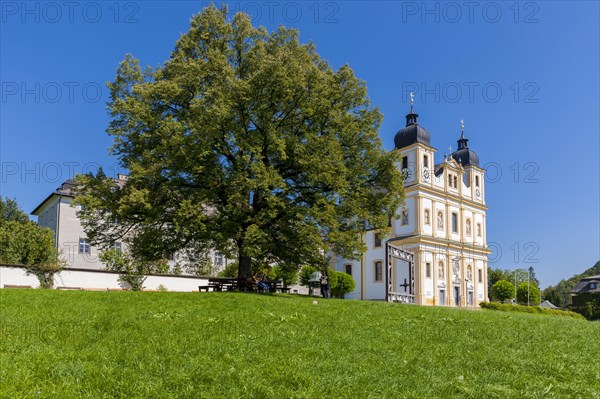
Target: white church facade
442, 225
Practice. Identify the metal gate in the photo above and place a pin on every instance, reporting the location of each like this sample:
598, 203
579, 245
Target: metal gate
392, 295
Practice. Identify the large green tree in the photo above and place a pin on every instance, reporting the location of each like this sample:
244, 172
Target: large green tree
246, 141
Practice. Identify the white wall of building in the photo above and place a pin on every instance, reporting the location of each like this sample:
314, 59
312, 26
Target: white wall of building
96, 280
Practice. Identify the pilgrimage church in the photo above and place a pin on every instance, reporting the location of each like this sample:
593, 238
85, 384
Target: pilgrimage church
436, 251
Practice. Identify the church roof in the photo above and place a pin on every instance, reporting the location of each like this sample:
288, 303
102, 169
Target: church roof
463, 155
412, 132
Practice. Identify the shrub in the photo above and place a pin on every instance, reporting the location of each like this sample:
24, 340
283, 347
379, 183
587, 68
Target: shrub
340, 283
506, 307
502, 290
587, 304
527, 289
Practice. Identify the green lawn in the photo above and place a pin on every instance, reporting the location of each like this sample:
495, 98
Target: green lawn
58, 344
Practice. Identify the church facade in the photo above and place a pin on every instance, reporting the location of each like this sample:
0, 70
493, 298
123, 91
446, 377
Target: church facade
441, 228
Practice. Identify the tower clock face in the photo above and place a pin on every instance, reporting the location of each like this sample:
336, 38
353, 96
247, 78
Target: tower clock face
477, 192
425, 173
406, 173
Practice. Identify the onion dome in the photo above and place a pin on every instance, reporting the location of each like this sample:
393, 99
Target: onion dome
463, 155
412, 133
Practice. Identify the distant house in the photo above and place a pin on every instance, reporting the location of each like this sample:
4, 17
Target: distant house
587, 284
59, 213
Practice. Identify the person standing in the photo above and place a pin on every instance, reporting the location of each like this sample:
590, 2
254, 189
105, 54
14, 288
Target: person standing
324, 280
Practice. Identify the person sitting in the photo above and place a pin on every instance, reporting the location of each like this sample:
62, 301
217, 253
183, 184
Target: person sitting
262, 284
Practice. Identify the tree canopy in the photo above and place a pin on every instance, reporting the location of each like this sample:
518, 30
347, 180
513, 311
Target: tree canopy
22, 242
245, 141
559, 294
502, 291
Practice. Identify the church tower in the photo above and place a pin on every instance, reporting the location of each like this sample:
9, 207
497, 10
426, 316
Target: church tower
442, 223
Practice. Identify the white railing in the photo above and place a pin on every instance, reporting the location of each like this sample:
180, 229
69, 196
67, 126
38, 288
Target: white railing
401, 298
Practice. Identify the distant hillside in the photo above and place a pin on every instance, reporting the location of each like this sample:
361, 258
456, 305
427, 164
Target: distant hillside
559, 294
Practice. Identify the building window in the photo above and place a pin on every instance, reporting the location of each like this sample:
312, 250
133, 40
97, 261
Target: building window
478, 229
468, 227
479, 275
454, 222
404, 162
116, 246
449, 180
378, 271
425, 161
455, 182
427, 217
377, 243
218, 260
348, 269
440, 221
476, 181
428, 270
84, 246
441, 270
405, 217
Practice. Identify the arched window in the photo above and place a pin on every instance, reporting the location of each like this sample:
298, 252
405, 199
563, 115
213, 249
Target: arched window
468, 227
441, 270
440, 221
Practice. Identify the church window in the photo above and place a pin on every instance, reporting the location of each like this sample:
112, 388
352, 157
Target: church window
378, 271
377, 243
454, 222
476, 181
348, 269
428, 270
440, 221
425, 161
449, 181
427, 217
479, 275
404, 162
455, 182
441, 270
468, 227
405, 217
478, 229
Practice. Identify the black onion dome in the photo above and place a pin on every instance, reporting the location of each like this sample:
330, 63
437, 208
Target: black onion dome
412, 133
463, 155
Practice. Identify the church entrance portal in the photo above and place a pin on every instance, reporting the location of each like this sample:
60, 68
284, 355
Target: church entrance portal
399, 280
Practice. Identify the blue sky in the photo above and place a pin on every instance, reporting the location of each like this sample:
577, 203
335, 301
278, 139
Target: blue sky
524, 77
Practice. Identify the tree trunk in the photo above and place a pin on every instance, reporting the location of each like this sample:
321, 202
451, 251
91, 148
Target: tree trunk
244, 261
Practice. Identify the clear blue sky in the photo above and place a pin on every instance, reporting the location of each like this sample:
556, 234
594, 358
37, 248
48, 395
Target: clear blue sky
524, 77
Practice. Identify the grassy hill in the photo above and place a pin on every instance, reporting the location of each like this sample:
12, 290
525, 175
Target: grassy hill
58, 344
